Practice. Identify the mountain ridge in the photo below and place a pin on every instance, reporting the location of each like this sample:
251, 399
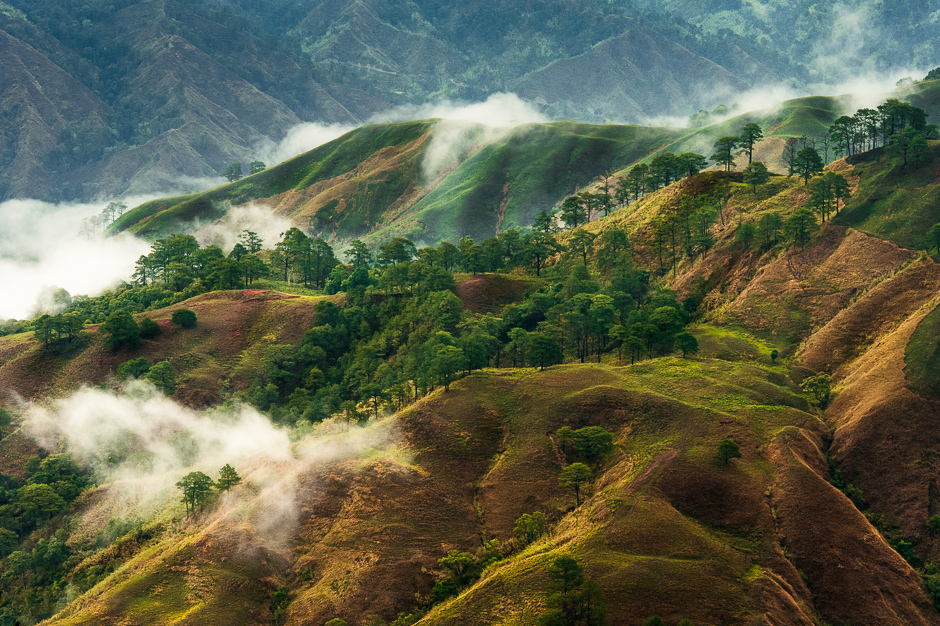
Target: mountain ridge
191, 89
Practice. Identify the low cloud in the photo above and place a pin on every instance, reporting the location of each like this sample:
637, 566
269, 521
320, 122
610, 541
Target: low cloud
257, 218
301, 138
464, 127
140, 443
864, 90
41, 250
500, 109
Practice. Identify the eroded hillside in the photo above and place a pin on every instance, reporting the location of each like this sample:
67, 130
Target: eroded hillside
808, 526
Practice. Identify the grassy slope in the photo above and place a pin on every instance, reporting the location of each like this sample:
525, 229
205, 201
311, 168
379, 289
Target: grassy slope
892, 202
922, 356
221, 353
371, 180
667, 529
330, 161
508, 182
810, 116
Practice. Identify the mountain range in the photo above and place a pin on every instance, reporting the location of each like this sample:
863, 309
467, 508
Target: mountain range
105, 99
449, 372
823, 519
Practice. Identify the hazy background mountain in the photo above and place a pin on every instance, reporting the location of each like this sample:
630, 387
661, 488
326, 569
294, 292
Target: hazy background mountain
835, 41
104, 98
109, 97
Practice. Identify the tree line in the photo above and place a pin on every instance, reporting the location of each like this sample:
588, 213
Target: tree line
403, 332
37, 566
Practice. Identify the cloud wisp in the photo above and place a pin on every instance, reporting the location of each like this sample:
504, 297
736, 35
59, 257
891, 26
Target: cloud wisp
258, 218
140, 443
462, 126
465, 126
40, 248
302, 138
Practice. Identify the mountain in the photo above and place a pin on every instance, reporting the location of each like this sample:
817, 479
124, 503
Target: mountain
168, 98
432, 181
834, 41
822, 519
170, 93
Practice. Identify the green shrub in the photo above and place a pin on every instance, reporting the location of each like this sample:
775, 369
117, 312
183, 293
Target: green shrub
120, 330
149, 329
135, 368
855, 495
163, 376
279, 602
591, 443
184, 318
933, 524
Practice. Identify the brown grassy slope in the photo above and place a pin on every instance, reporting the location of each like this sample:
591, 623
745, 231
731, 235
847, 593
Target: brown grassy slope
216, 576
302, 204
804, 288
222, 352
784, 292
874, 315
846, 295
489, 293
886, 435
835, 547
666, 529
375, 542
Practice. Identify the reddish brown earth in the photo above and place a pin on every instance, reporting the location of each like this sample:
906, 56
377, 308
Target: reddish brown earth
489, 293
222, 351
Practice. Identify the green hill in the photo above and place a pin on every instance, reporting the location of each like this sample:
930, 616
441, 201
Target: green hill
897, 203
375, 183
816, 357
372, 181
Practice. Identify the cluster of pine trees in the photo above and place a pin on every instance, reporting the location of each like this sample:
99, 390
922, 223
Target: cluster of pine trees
36, 566
403, 332
891, 123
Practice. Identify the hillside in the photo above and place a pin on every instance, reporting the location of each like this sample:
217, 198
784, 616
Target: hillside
667, 530
440, 180
851, 304
653, 534
389, 433
219, 356
387, 180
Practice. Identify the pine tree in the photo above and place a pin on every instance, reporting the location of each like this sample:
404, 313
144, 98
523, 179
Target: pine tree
197, 489
228, 478
750, 134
